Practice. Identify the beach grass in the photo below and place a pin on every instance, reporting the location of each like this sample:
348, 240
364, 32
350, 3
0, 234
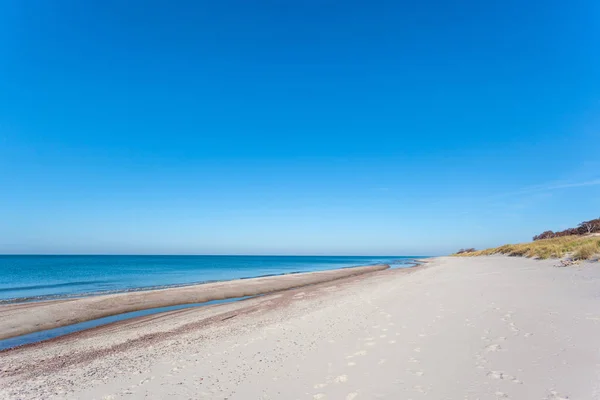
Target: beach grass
575, 247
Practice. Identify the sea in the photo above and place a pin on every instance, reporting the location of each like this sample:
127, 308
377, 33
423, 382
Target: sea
26, 278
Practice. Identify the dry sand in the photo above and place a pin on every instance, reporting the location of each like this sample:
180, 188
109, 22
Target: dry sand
458, 328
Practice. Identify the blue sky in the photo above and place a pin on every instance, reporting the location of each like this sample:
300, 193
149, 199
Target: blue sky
312, 127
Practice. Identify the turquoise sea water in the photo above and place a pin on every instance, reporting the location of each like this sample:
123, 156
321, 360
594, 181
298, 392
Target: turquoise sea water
31, 278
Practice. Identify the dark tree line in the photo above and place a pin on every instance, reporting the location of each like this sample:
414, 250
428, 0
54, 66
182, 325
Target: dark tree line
584, 228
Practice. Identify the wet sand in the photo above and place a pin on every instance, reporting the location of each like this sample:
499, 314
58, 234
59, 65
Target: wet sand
455, 328
20, 319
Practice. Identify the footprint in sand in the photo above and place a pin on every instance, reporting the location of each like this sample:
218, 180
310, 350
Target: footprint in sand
319, 396
417, 349
382, 361
144, 381
419, 388
555, 396
493, 347
351, 364
501, 375
351, 396
320, 385
416, 372
341, 379
495, 374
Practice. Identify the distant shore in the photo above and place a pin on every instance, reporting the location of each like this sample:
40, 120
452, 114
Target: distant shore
24, 318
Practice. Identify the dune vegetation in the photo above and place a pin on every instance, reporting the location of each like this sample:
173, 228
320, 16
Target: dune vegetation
574, 247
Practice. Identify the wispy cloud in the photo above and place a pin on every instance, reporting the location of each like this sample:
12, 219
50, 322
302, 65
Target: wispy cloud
566, 185
520, 198
547, 187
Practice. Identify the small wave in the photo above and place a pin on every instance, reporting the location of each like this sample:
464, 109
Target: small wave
51, 286
60, 296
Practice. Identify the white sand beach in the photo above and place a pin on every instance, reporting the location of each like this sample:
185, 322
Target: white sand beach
456, 328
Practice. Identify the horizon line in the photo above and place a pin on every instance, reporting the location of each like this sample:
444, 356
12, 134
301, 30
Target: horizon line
212, 255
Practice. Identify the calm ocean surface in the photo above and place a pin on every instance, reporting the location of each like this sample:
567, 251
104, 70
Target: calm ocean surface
30, 278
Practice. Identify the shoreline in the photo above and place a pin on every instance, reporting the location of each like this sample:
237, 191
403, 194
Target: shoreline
123, 337
51, 314
393, 263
